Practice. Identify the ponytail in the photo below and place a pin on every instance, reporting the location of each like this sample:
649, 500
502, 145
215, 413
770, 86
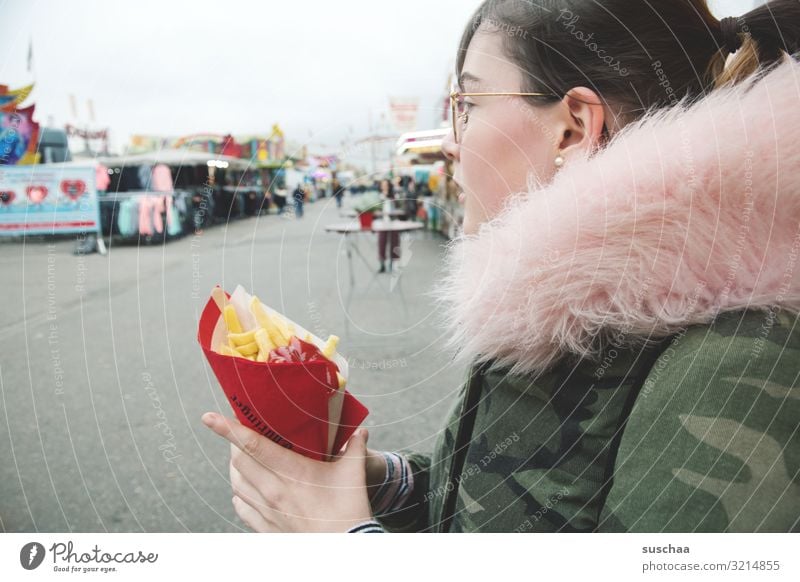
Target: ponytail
758, 40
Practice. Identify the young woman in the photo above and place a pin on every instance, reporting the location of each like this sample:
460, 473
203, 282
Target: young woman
630, 318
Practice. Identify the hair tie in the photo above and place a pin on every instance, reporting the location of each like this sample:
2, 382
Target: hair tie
730, 27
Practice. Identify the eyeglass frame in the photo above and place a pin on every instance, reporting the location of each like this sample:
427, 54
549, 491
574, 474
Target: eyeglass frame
454, 95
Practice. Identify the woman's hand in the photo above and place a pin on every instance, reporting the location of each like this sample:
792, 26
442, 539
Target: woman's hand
277, 490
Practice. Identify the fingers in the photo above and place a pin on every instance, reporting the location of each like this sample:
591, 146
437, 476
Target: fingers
254, 505
247, 491
251, 517
260, 476
248, 441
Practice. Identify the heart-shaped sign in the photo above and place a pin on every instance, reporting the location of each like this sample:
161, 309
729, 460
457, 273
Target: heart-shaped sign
73, 189
37, 194
7, 197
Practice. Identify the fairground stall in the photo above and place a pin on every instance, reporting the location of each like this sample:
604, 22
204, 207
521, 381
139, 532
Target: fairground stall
191, 190
419, 155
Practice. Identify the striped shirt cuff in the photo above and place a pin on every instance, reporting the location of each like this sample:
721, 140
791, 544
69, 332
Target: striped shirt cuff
370, 526
396, 487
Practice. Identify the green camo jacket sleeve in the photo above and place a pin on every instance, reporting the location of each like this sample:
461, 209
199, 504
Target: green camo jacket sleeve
712, 443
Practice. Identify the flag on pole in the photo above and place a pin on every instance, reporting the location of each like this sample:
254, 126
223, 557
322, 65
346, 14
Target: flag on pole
30, 55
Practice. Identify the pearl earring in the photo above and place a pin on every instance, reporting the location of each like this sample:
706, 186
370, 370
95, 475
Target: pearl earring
559, 161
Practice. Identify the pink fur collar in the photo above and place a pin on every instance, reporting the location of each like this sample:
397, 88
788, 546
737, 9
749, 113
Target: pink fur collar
687, 213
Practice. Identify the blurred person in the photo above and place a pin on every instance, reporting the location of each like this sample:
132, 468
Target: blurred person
411, 198
299, 198
388, 241
338, 192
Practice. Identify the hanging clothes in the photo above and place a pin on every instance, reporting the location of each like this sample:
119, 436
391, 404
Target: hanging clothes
174, 217
157, 206
145, 216
124, 217
102, 180
128, 217
145, 176
134, 227
161, 180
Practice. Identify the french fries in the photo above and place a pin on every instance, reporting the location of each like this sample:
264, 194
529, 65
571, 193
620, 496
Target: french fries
232, 320
242, 339
329, 349
271, 331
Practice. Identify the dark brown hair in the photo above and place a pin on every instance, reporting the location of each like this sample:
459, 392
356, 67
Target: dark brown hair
635, 54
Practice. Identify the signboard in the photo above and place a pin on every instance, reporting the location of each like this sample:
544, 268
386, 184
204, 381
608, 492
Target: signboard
45, 199
404, 113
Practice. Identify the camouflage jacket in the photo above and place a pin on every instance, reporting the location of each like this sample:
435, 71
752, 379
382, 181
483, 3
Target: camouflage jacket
632, 329
696, 433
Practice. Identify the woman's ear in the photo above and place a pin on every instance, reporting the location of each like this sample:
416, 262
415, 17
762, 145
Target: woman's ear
582, 122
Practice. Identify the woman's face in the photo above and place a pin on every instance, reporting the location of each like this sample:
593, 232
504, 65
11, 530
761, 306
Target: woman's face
505, 138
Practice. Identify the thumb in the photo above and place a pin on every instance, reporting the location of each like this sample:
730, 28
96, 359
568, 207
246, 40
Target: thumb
356, 447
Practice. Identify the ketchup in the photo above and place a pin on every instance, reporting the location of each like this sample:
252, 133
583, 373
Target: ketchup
297, 351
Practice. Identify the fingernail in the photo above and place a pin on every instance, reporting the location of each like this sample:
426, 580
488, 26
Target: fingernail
209, 418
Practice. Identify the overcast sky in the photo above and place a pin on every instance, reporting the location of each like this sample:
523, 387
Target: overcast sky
316, 67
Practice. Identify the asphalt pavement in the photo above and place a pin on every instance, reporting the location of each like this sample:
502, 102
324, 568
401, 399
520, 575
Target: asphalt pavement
103, 382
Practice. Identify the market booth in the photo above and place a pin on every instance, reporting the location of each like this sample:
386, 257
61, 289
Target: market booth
419, 155
187, 191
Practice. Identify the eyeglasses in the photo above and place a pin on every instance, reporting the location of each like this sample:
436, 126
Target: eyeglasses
459, 111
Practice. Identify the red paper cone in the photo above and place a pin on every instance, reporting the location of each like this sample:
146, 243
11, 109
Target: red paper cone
286, 402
